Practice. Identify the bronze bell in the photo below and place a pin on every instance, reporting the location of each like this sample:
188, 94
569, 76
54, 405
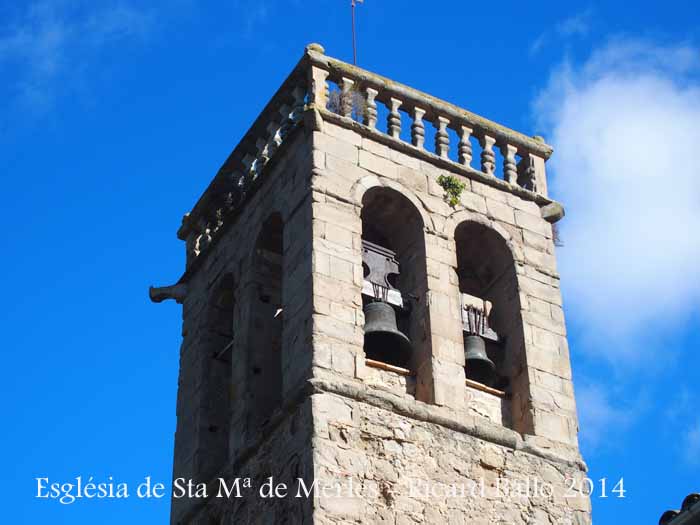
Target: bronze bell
383, 340
478, 365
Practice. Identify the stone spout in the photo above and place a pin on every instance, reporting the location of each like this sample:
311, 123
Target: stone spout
161, 293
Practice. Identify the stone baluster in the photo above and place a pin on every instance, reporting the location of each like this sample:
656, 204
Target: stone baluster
274, 131
237, 186
290, 116
204, 239
442, 139
250, 164
191, 247
346, 101
186, 232
370, 117
394, 118
298, 94
217, 212
262, 155
287, 115
273, 128
418, 128
488, 159
510, 170
465, 146
247, 162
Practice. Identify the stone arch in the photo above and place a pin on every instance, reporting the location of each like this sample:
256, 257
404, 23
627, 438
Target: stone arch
368, 182
214, 424
392, 221
265, 324
461, 216
486, 270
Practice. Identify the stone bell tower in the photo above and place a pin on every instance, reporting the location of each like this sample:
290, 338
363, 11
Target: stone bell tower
371, 311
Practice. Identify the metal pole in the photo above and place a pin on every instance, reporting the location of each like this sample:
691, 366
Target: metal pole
354, 46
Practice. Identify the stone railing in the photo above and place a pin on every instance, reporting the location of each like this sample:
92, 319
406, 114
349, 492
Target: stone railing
243, 170
356, 93
349, 93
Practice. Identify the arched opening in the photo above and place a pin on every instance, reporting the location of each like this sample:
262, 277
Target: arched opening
214, 425
490, 301
264, 375
395, 283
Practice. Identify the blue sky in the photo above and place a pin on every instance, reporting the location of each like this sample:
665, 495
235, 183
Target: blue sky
115, 115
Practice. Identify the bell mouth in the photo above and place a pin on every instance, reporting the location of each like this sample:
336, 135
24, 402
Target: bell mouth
480, 372
393, 348
478, 366
383, 340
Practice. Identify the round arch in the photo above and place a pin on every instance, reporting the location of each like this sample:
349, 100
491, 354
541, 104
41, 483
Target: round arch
360, 188
486, 270
456, 219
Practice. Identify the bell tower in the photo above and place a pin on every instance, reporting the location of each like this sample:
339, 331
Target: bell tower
372, 316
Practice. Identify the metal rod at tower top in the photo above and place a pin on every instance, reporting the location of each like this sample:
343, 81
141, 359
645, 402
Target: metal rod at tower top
354, 45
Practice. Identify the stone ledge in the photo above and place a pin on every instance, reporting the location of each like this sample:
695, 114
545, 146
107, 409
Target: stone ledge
385, 400
440, 416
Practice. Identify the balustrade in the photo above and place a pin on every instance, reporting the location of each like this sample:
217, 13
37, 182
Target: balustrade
516, 154
521, 158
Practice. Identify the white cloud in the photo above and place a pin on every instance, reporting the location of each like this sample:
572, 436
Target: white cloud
49, 42
598, 415
624, 125
577, 25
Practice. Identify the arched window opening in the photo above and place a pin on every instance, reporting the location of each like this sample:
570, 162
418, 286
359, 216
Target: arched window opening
265, 324
215, 424
393, 256
490, 305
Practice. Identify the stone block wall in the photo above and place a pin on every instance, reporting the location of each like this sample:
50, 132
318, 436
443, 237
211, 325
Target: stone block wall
360, 431
486, 405
346, 164
390, 464
398, 383
282, 455
198, 448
